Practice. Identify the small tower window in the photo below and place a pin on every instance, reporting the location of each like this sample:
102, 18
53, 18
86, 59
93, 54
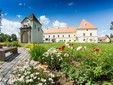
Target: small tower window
68, 35
38, 29
35, 26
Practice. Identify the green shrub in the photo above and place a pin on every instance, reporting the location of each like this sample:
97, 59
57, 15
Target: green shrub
36, 52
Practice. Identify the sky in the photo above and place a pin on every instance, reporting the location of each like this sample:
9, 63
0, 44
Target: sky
53, 13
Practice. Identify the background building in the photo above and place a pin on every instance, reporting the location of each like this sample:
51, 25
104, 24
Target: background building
30, 30
86, 32
59, 34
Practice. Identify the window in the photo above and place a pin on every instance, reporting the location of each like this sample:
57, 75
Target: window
53, 36
74, 35
90, 34
68, 35
83, 39
58, 35
70, 40
35, 26
83, 34
62, 35
46, 39
49, 35
43, 36
86, 29
38, 29
90, 40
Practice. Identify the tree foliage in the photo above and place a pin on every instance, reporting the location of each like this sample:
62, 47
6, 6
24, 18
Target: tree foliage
111, 27
6, 37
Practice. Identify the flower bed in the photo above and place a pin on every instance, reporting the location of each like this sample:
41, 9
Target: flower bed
81, 65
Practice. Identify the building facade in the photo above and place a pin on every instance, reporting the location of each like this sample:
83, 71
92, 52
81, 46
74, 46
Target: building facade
86, 32
59, 34
30, 31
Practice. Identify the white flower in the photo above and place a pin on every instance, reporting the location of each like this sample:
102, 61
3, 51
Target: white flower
37, 73
27, 81
30, 80
43, 80
66, 55
52, 75
32, 75
27, 77
21, 79
40, 84
85, 47
50, 79
79, 48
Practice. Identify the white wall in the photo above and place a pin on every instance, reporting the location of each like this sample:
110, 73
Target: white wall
60, 38
87, 37
36, 36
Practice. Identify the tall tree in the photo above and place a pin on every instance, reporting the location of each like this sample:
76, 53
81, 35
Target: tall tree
14, 37
111, 27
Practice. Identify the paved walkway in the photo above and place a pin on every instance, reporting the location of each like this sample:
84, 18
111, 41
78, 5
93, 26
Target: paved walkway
7, 67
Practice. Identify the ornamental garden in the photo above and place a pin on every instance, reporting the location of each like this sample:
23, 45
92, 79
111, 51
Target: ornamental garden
66, 64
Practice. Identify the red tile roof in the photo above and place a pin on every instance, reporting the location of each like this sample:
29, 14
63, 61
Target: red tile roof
60, 30
86, 25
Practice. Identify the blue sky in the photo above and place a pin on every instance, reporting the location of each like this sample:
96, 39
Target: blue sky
59, 12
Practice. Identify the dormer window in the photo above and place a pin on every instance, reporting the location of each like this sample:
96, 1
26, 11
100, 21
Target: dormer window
85, 24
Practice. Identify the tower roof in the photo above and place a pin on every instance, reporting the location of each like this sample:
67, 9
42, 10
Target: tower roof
86, 25
32, 17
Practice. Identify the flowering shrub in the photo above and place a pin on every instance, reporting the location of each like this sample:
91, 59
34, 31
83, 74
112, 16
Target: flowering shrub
53, 58
32, 73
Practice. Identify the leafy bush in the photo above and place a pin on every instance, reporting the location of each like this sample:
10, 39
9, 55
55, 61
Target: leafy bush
36, 52
29, 45
87, 67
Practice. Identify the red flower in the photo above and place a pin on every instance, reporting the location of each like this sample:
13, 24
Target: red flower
62, 48
97, 49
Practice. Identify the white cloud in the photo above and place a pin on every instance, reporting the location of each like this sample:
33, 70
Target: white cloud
19, 16
59, 24
5, 14
44, 20
71, 3
20, 4
9, 27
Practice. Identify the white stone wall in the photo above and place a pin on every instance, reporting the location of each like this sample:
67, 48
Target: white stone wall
74, 37
62, 37
84, 35
36, 36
